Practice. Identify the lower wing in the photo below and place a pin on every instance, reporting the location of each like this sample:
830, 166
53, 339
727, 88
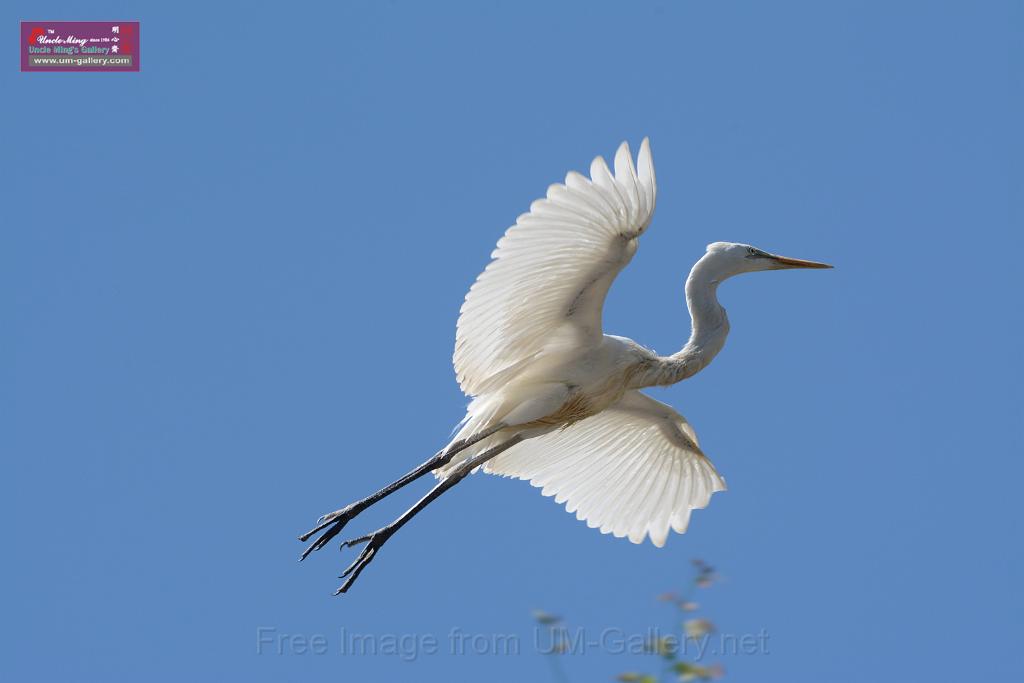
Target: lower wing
632, 470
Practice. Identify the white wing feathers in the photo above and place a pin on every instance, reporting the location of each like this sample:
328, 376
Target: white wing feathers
634, 469
631, 470
551, 270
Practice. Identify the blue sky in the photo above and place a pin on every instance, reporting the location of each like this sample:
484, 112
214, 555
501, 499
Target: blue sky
229, 287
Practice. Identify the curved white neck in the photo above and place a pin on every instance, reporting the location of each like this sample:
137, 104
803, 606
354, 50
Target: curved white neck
710, 328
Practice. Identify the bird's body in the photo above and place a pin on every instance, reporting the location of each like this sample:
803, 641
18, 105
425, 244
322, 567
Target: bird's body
561, 387
555, 400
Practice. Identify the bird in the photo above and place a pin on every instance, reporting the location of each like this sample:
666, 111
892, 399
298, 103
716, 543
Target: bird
554, 400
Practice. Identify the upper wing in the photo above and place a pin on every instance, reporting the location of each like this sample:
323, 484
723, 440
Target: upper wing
633, 469
552, 269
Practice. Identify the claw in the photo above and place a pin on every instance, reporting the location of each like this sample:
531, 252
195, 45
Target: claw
374, 543
331, 524
355, 541
320, 542
328, 519
336, 521
353, 571
355, 563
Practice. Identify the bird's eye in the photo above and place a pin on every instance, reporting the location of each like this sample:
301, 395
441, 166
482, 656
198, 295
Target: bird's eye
751, 251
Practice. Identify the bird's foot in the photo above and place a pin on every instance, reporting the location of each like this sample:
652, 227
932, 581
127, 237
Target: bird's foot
333, 522
374, 541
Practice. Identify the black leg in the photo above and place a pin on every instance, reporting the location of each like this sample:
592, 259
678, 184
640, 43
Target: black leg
375, 540
339, 518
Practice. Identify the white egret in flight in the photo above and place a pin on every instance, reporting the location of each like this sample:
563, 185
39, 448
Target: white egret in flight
554, 400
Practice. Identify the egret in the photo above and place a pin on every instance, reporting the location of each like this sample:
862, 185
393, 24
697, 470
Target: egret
554, 400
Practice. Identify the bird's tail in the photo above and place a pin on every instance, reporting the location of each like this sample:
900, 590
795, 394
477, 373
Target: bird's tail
481, 413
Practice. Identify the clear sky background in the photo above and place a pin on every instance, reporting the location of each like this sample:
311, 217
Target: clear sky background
228, 294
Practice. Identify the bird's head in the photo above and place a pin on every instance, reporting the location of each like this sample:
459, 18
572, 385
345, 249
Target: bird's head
729, 258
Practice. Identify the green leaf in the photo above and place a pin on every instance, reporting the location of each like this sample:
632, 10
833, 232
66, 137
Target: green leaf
689, 672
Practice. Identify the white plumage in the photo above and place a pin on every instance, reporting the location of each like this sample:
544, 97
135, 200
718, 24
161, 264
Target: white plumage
555, 400
551, 270
631, 470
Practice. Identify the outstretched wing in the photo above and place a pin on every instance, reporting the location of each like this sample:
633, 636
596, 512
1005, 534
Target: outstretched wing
552, 269
632, 470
